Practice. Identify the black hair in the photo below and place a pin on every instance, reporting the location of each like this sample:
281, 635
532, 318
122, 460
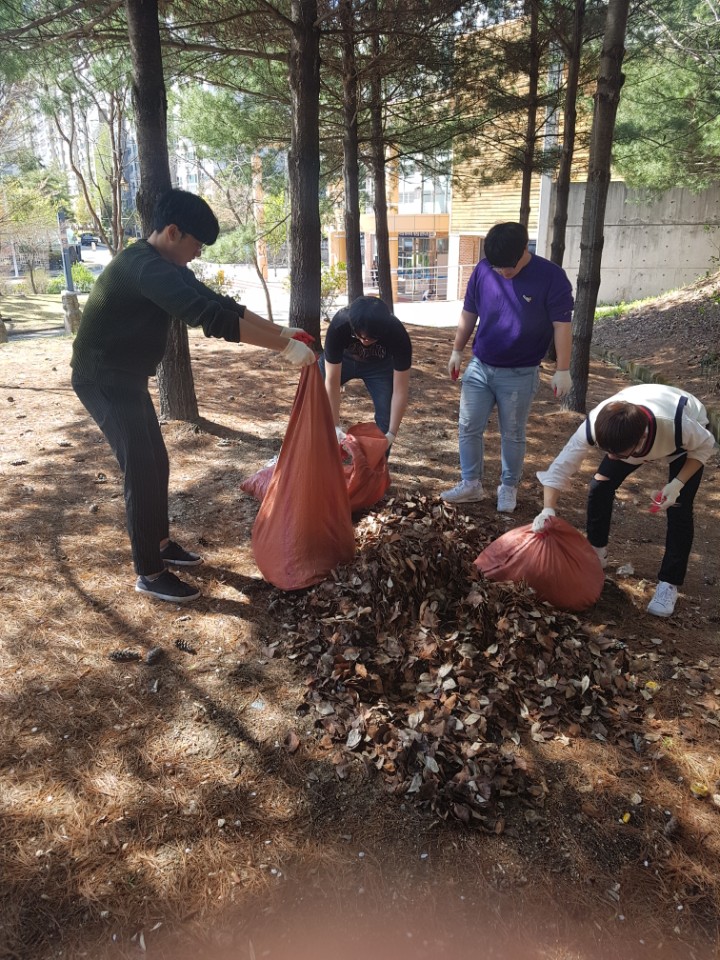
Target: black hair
190, 214
369, 316
619, 427
505, 243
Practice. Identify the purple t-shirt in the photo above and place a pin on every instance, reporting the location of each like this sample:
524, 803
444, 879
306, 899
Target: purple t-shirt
517, 316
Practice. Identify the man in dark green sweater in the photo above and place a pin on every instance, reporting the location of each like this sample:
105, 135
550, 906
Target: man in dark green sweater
122, 339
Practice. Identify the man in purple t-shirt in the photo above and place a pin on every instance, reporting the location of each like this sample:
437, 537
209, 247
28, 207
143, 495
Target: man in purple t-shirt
523, 302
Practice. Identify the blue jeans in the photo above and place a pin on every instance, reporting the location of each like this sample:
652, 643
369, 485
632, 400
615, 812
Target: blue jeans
377, 376
512, 389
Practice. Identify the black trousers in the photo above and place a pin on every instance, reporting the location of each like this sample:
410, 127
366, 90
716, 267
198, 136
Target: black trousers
680, 522
125, 414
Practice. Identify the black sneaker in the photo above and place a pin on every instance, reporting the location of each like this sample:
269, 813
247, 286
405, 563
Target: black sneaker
167, 587
173, 555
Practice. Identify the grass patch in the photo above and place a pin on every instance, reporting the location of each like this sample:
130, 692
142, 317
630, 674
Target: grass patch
614, 311
28, 313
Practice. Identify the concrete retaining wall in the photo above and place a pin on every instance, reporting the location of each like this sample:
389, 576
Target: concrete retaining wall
651, 245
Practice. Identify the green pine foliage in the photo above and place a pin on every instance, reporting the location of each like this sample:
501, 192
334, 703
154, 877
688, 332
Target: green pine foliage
668, 129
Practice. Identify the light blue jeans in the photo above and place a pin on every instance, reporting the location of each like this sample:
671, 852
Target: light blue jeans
512, 389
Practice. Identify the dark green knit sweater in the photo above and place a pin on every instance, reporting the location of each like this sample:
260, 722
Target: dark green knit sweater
125, 323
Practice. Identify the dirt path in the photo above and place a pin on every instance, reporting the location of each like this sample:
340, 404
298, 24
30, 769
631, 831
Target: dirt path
160, 810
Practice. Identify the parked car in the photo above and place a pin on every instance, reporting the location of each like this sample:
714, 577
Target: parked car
87, 239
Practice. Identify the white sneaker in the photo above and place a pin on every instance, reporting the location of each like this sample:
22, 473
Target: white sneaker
465, 492
506, 499
663, 603
602, 555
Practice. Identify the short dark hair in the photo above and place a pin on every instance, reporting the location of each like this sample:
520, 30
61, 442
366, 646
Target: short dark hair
190, 214
505, 243
619, 427
369, 316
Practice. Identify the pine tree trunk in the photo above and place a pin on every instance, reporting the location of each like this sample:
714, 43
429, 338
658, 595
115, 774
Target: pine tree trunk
562, 184
175, 379
377, 160
532, 106
607, 97
351, 169
304, 168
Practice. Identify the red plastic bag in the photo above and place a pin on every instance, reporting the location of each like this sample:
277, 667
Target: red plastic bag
558, 563
303, 529
257, 484
367, 475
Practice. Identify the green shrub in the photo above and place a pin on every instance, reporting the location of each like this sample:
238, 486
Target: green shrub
333, 282
217, 280
83, 280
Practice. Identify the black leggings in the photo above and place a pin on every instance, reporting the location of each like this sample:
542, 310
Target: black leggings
127, 418
680, 524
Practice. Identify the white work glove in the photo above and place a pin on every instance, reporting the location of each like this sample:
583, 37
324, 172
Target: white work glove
668, 495
298, 353
541, 519
340, 434
454, 364
289, 332
561, 383
389, 436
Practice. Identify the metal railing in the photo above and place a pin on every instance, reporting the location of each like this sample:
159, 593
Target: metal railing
420, 283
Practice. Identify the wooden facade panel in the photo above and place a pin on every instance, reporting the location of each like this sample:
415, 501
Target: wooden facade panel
476, 211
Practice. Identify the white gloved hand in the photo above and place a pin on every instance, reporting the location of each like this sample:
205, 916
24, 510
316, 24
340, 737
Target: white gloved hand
298, 353
668, 495
542, 518
454, 364
389, 436
340, 434
289, 332
561, 383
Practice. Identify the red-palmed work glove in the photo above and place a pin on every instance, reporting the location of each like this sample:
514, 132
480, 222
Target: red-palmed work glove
667, 497
454, 364
297, 333
298, 353
561, 383
538, 524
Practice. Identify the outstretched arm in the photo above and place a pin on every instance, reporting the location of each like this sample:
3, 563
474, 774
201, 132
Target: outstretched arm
398, 406
463, 333
332, 387
261, 333
262, 324
465, 327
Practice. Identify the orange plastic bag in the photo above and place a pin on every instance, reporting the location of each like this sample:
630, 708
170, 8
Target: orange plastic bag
303, 528
367, 474
558, 563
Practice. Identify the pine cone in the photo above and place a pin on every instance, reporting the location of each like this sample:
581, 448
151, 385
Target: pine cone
185, 647
124, 656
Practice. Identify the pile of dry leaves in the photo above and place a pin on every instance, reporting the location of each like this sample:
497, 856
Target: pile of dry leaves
440, 679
